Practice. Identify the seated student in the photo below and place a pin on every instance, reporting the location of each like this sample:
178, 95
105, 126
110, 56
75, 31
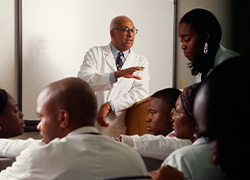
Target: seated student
192, 161
11, 119
184, 124
159, 147
71, 148
222, 112
159, 108
220, 109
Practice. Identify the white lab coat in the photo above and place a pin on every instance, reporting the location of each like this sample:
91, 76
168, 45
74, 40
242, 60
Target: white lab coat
157, 147
194, 162
97, 65
79, 155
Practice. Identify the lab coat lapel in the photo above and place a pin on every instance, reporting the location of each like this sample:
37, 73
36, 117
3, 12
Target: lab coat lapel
131, 61
108, 57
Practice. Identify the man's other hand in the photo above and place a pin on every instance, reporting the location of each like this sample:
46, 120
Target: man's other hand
128, 73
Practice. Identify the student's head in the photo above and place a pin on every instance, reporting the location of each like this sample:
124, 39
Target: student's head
64, 106
184, 124
159, 108
11, 119
120, 31
222, 112
196, 28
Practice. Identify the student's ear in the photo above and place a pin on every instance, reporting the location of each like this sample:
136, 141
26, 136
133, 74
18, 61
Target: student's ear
63, 118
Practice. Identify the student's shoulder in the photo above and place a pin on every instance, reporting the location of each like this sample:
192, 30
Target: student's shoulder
190, 150
40, 148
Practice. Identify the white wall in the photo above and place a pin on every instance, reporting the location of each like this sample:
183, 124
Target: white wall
57, 33
8, 65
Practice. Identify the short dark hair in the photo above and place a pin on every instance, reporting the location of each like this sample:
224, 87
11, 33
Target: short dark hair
168, 95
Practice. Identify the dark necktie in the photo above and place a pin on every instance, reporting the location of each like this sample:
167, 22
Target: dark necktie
119, 62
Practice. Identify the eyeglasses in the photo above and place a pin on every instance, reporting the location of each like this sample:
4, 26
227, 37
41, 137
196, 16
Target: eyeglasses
174, 112
127, 30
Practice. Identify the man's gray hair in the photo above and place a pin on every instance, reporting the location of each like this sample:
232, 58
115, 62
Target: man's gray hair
114, 21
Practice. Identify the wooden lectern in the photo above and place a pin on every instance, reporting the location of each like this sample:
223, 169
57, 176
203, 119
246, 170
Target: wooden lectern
135, 118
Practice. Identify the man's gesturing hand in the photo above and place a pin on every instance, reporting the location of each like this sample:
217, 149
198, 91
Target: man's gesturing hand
128, 73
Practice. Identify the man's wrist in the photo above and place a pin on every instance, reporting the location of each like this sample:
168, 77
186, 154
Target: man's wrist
111, 106
116, 74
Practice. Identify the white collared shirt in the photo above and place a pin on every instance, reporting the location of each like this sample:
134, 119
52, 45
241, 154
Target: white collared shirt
79, 155
194, 162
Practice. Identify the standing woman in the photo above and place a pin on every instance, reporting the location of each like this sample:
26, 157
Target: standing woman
200, 34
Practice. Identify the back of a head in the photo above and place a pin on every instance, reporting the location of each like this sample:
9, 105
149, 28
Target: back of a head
168, 95
77, 97
228, 88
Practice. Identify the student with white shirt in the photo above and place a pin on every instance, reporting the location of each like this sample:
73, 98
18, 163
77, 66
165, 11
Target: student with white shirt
162, 141
200, 34
70, 146
192, 161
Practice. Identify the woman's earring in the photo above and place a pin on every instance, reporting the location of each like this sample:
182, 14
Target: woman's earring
205, 51
195, 135
195, 131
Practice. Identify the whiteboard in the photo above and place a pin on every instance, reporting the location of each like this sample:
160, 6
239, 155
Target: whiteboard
8, 47
57, 34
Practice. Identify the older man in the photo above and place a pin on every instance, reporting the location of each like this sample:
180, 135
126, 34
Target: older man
71, 148
119, 76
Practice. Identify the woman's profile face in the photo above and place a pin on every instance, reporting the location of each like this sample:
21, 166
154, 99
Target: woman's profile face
192, 42
11, 120
182, 125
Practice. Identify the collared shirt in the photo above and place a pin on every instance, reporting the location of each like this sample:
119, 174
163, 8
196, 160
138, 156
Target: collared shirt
194, 162
112, 79
80, 155
115, 52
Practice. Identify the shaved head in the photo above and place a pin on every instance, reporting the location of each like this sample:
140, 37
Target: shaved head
64, 106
